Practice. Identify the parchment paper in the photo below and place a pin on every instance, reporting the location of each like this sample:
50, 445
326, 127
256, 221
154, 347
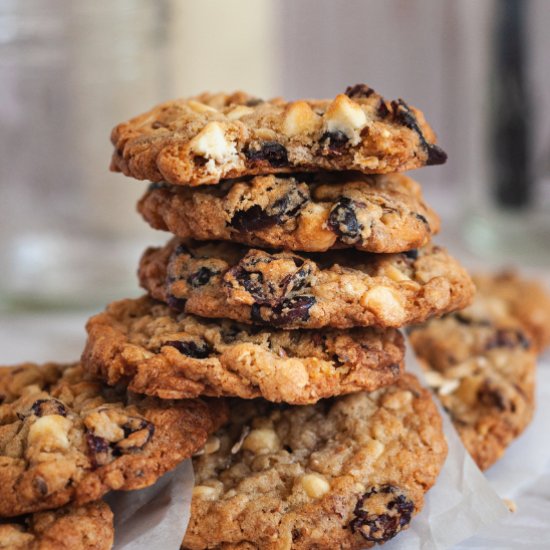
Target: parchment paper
522, 475
460, 504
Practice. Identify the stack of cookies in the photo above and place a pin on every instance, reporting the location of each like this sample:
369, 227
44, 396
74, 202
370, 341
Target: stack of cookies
268, 344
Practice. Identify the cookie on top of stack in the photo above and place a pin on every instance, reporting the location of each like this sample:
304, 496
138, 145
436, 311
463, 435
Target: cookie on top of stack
268, 344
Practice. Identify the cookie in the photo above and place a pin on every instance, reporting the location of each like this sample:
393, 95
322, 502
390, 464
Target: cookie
481, 364
204, 139
308, 212
524, 299
158, 351
348, 472
66, 438
87, 527
338, 289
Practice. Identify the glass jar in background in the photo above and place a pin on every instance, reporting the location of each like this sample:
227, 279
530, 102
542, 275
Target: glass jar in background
69, 234
508, 200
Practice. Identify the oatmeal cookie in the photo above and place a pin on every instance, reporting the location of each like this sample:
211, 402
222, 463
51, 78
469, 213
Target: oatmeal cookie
481, 363
158, 351
348, 472
86, 527
338, 289
307, 212
65, 437
210, 137
527, 300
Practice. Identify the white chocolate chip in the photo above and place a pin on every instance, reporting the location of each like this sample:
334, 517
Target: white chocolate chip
434, 379
239, 112
102, 426
300, 119
212, 445
344, 115
199, 107
448, 387
315, 485
395, 274
398, 400
212, 144
204, 492
383, 302
50, 433
263, 440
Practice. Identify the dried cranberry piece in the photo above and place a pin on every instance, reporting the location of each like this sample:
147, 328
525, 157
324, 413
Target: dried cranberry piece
41, 486
422, 219
343, 221
176, 303
382, 109
293, 310
256, 218
190, 348
359, 90
45, 407
253, 219
436, 155
402, 114
377, 527
286, 312
490, 396
411, 254
270, 151
99, 449
334, 142
508, 338
201, 277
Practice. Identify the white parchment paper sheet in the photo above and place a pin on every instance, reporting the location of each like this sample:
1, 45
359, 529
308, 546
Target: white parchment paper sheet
523, 476
460, 504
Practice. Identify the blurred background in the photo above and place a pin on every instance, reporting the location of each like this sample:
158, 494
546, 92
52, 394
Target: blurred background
69, 71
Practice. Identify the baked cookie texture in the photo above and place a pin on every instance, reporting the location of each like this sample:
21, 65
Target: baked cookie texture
210, 137
158, 351
86, 527
67, 438
527, 300
481, 363
307, 212
348, 472
339, 289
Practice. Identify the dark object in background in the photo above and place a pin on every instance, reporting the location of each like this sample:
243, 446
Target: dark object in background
510, 129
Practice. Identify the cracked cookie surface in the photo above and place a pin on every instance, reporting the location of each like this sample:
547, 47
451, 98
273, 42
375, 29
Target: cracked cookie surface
161, 352
348, 472
481, 363
86, 527
65, 437
210, 137
307, 212
338, 289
